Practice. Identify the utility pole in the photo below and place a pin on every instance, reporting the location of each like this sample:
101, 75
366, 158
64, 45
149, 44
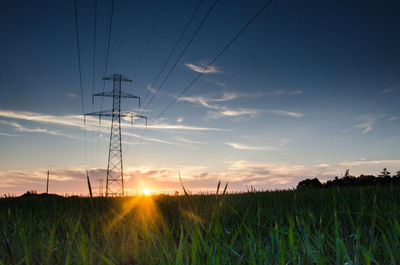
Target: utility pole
47, 185
115, 172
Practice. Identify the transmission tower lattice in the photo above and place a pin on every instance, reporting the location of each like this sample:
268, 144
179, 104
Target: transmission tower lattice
115, 172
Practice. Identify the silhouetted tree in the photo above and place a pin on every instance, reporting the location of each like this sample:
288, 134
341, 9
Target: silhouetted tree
384, 173
309, 183
383, 178
367, 180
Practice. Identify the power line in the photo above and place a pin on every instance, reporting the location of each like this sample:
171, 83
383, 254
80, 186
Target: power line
149, 38
93, 74
106, 61
180, 56
108, 47
170, 55
94, 48
215, 58
183, 51
80, 73
173, 49
79, 54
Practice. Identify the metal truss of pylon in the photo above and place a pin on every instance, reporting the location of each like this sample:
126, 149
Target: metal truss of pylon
115, 172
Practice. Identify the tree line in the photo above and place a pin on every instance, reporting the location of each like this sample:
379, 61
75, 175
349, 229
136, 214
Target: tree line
384, 178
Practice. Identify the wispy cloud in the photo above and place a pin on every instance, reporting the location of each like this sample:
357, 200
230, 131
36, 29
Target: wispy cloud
387, 90
222, 84
281, 92
369, 162
233, 113
151, 89
249, 147
367, 127
20, 128
253, 113
8, 134
70, 95
219, 111
207, 101
77, 121
188, 141
288, 113
180, 119
202, 69
367, 122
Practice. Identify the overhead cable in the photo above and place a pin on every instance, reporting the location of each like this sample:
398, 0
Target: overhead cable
182, 53
215, 58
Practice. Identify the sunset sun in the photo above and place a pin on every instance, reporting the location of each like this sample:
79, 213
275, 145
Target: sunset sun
146, 192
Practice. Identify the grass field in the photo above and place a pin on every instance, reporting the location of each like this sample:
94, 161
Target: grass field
319, 226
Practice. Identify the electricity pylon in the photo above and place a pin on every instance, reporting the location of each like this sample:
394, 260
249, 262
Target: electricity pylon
115, 172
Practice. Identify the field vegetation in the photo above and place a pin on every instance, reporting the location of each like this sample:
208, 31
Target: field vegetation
352, 225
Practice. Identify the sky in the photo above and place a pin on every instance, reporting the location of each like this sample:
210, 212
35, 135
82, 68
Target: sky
310, 89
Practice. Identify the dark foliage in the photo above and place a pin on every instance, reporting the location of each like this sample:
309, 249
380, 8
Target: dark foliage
309, 183
384, 178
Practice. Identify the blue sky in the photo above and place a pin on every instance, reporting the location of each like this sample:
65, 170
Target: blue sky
310, 89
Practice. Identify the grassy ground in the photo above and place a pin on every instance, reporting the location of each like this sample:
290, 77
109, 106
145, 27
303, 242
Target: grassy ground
323, 226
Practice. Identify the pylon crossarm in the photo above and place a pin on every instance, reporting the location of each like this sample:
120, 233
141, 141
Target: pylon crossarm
138, 116
116, 77
110, 94
110, 113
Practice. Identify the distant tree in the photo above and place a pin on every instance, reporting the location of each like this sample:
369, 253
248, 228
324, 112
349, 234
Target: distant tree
309, 183
384, 174
366, 179
383, 178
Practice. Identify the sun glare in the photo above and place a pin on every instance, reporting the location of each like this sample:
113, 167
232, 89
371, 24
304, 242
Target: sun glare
146, 192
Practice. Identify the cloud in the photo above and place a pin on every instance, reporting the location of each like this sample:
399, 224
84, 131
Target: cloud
223, 111
222, 84
61, 181
369, 162
281, 92
70, 95
248, 147
77, 121
198, 100
367, 122
367, 127
20, 128
207, 102
233, 113
240, 175
185, 140
8, 134
201, 69
288, 113
387, 90
151, 89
